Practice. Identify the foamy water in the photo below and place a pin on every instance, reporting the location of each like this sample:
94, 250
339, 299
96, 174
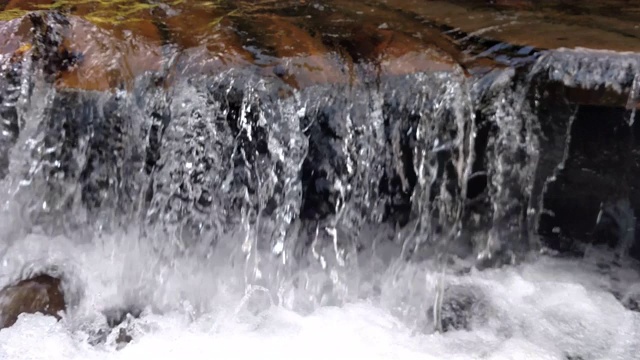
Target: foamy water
546, 309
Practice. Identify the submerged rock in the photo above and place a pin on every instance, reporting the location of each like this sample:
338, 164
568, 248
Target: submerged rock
117, 330
117, 315
462, 308
40, 294
123, 338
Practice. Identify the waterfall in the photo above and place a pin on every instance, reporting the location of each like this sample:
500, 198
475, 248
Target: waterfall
305, 196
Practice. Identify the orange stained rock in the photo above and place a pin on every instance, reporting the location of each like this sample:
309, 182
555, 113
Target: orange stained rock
375, 24
106, 62
27, 4
210, 58
203, 61
41, 294
139, 23
193, 24
300, 59
400, 54
204, 38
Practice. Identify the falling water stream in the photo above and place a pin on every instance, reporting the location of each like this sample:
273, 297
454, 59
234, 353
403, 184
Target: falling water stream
237, 217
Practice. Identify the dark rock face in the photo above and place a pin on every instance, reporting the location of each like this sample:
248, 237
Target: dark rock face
594, 197
40, 294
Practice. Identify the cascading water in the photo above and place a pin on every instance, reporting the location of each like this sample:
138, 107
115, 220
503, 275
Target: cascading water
229, 208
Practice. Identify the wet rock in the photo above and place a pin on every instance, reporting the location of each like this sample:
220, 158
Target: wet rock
573, 357
122, 326
513, 4
462, 309
395, 42
593, 198
123, 339
117, 330
299, 59
399, 54
49, 51
632, 303
99, 48
13, 34
205, 40
189, 25
27, 4
76, 53
117, 315
106, 61
551, 25
403, 55
40, 294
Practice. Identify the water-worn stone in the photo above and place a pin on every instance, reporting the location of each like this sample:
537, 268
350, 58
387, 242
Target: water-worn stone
462, 309
301, 45
298, 58
105, 61
76, 53
118, 327
40, 294
548, 24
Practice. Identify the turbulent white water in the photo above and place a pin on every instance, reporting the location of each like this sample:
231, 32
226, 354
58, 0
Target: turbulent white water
547, 309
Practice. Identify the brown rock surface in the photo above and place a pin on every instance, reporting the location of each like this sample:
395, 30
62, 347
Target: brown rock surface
106, 61
546, 24
297, 57
27, 4
204, 37
307, 43
302, 43
102, 59
40, 294
399, 54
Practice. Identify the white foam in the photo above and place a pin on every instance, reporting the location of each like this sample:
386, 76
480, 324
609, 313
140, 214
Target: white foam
548, 309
